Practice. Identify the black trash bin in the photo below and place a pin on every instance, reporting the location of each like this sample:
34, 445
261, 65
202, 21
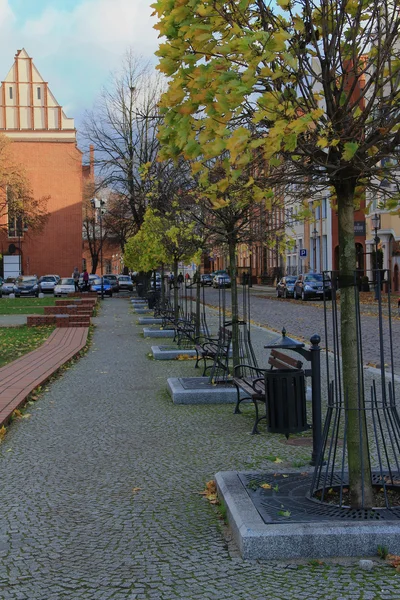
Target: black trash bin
140, 289
152, 298
285, 395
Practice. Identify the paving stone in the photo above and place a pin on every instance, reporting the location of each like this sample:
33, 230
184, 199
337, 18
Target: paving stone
108, 426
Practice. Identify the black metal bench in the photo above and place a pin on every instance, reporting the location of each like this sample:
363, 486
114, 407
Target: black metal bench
214, 352
251, 381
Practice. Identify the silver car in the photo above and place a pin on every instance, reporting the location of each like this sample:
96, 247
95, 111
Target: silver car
47, 283
8, 286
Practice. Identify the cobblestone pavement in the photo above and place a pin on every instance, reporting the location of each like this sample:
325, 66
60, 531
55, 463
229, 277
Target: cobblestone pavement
74, 524
303, 319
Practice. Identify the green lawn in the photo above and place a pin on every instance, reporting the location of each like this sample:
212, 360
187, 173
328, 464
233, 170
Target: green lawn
24, 306
16, 341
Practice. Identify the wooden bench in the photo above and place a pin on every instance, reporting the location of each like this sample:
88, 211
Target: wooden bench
215, 351
251, 381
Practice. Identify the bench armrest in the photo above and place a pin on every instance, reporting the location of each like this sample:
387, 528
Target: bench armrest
254, 370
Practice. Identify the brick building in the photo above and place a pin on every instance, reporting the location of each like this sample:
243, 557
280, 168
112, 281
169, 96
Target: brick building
44, 143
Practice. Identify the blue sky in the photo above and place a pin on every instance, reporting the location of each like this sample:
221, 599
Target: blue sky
75, 44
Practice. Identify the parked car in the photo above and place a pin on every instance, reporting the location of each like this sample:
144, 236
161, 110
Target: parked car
219, 272
285, 287
8, 286
26, 285
125, 283
92, 277
65, 286
158, 282
222, 280
206, 279
95, 286
47, 283
312, 285
113, 279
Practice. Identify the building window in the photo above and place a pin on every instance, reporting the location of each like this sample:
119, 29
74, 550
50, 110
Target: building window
325, 252
317, 212
107, 264
16, 226
84, 267
11, 92
324, 208
39, 93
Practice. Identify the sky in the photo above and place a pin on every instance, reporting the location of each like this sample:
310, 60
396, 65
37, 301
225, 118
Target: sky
76, 44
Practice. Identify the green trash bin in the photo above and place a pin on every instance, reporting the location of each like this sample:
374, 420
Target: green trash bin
285, 395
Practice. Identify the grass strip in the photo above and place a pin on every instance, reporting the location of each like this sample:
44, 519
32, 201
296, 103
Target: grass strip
25, 306
17, 341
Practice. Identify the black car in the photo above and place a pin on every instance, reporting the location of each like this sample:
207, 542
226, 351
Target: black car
206, 279
312, 285
285, 287
26, 285
113, 279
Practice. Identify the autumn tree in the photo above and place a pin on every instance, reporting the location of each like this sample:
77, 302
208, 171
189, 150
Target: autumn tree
123, 130
163, 238
229, 215
312, 88
94, 234
17, 202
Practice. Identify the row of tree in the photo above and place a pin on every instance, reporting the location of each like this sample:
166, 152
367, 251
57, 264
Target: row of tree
261, 100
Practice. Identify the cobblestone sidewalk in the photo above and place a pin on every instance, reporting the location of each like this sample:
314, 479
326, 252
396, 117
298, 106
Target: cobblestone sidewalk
74, 524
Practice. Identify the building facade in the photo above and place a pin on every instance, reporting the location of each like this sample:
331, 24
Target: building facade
44, 143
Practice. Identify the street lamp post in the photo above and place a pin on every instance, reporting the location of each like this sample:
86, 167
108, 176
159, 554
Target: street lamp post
315, 235
376, 223
99, 206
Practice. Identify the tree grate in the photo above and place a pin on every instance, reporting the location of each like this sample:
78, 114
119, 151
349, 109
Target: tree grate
288, 501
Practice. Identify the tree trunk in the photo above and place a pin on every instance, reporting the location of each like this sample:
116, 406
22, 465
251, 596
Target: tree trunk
95, 262
357, 444
162, 284
198, 308
234, 303
176, 290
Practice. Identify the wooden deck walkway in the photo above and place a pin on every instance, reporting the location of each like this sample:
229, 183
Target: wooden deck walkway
20, 377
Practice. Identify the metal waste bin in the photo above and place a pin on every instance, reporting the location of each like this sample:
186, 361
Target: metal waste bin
285, 396
140, 289
152, 298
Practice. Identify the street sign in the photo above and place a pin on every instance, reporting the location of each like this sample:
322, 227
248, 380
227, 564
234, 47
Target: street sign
303, 252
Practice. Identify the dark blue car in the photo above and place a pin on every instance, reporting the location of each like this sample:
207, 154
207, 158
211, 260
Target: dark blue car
95, 286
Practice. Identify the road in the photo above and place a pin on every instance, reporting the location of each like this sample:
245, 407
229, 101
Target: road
304, 319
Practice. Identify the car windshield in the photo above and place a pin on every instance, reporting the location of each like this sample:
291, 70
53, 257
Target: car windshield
26, 280
52, 279
124, 278
113, 277
290, 279
316, 277
96, 281
67, 281
10, 280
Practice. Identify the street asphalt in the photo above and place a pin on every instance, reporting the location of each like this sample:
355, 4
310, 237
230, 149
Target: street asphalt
100, 496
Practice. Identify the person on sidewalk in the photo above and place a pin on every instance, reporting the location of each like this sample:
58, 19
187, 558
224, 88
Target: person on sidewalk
180, 278
75, 276
85, 280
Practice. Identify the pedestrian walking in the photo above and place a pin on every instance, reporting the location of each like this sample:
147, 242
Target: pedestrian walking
75, 276
86, 280
180, 278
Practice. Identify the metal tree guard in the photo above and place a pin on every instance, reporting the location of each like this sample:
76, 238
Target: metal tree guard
380, 450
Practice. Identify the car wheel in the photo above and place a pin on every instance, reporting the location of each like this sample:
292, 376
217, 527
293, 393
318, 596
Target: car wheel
303, 296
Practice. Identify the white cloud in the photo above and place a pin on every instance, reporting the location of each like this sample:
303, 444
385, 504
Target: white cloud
75, 50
